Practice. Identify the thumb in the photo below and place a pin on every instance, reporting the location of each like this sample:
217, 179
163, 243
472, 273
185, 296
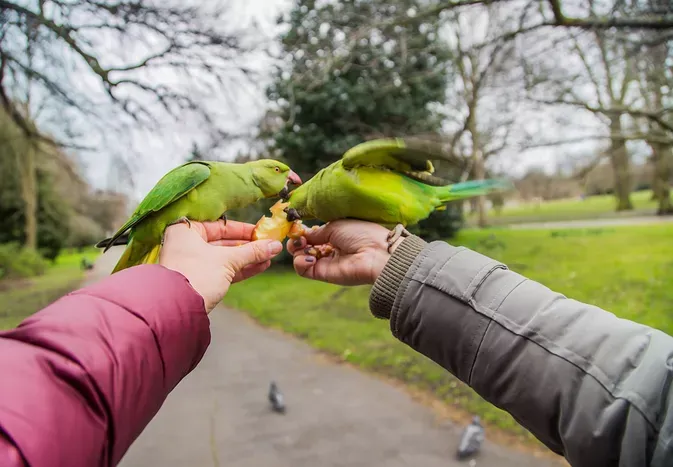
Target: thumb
255, 252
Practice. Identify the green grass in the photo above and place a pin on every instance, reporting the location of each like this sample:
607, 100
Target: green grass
602, 206
23, 297
626, 270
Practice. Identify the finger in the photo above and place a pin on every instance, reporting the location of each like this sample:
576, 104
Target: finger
320, 235
228, 242
251, 270
259, 251
234, 230
296, 245
326, 269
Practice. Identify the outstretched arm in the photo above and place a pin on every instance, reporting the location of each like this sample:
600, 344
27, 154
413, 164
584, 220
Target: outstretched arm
594, 388
82, 378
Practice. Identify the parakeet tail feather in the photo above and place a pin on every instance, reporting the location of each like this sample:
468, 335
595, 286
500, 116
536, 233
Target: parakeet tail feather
135, 254
472, 188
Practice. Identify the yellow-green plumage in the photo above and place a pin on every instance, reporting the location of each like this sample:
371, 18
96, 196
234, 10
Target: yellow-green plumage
200, 191
388, 181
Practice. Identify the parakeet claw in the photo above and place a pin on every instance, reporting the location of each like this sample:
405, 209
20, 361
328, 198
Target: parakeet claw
182, 220
292, 214
224, 218
398, 232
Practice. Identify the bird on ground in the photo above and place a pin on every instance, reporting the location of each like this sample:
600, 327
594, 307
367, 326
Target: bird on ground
471, 440
276, 398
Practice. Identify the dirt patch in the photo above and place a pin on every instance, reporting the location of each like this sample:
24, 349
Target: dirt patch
9, 284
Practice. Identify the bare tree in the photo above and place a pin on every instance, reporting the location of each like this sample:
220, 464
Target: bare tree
655, 80
485, 72
97, 60
598, 76
586, 15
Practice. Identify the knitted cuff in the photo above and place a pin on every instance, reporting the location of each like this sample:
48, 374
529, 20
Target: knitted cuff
385, 288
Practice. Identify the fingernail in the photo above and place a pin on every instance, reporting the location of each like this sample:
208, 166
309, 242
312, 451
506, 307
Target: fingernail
309, 259
297, 242
275, 247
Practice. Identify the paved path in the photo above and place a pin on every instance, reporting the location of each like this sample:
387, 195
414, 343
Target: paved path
594, 223
337, 416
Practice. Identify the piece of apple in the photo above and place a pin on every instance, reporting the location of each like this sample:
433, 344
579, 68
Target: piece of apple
276, 227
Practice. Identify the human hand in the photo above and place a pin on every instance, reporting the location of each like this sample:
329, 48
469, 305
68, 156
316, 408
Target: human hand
361, 252
212, 256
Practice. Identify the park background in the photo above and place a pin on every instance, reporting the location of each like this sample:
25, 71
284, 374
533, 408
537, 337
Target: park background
571, 99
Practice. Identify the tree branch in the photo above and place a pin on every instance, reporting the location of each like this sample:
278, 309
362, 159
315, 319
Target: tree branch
657, 117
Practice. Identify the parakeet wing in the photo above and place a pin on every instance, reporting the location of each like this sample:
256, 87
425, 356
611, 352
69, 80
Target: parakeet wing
172, 186
406, 156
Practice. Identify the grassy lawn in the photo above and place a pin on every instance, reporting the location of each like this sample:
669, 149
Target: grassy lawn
602, 206
627, 270
22, 297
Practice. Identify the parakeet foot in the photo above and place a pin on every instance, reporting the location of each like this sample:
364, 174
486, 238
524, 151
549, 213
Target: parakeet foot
398, 232
292, 214
224, 218
182, 220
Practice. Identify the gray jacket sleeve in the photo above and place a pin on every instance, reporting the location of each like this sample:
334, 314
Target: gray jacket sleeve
592, 387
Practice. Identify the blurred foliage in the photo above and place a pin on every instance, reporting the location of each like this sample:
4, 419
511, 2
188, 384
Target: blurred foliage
19, 262
440, 224
53, 215
68, 212
84, 231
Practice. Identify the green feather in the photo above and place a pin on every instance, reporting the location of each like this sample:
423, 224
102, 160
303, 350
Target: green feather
172, 186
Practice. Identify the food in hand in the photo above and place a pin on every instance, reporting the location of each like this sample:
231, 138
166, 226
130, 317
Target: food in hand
320, 251
276, 227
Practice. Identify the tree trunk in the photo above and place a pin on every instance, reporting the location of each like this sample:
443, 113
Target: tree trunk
25, 158
478, 168
619, 156
479, 173
662, 156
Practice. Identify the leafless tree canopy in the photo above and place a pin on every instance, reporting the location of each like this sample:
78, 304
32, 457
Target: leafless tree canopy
112, 62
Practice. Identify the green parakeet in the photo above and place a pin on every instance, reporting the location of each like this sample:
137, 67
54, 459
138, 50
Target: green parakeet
199, 191
387, 181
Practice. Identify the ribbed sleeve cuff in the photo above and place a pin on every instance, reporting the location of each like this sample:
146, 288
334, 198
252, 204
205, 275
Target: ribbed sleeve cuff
385, 288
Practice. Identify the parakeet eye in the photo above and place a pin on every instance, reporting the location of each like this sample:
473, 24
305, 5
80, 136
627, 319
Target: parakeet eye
277, 169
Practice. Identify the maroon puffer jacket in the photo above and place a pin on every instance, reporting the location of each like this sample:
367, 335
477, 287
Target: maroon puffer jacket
82, 378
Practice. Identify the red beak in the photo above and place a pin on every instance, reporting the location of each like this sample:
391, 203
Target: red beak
294, 178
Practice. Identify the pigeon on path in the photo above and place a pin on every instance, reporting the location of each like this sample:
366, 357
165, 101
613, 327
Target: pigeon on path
470, 442
276, 398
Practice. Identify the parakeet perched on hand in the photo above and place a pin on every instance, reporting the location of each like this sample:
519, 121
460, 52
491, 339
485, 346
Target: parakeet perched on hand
387, 181
199, 191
